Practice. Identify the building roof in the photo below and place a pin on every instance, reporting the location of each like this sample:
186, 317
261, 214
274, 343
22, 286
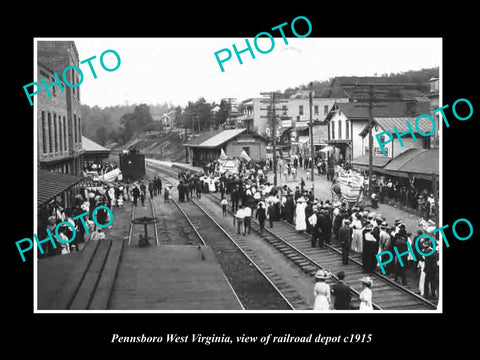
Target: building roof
388, 123
359, 110
91, 146
217, 139
416, 161
423, 163
51, 184
379, 161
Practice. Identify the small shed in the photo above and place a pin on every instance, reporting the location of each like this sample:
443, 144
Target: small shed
233, 142
93, 151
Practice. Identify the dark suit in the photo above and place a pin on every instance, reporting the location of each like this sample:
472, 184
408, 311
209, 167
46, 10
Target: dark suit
341, 291
345, 238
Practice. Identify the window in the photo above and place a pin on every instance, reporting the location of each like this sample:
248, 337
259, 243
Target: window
79, 130
333, 130
60, 133
55, 131
284, 109
247, 150
325, 109
315, 109
347, 129
50, 145
44, 133
74, 128
64, 134
300, 110
339, 129
53, 87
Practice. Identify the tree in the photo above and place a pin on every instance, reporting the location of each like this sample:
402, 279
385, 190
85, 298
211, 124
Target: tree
222, 114
136, 121
101, 135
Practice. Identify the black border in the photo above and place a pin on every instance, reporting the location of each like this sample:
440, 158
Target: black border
79, 333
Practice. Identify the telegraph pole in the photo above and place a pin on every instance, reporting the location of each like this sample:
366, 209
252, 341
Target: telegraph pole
312, 147
271, 115
373, 102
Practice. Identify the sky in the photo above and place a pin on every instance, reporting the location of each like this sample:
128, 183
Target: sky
178, 70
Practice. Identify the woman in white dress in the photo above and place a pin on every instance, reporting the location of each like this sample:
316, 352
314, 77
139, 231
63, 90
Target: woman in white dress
366, 294
357, 240
321, 291
300, 224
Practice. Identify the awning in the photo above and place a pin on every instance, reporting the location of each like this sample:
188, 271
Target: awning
422, 163
362, 161
51, 184
327, 149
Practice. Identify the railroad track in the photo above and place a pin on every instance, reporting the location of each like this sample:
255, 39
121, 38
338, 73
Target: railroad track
255, 283
387, 294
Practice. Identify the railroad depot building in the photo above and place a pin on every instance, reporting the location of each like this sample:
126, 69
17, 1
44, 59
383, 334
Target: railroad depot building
60, 152
208, 146
58, 117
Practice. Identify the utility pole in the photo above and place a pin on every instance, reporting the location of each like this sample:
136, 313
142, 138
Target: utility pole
312, 147
371, 101
272, 116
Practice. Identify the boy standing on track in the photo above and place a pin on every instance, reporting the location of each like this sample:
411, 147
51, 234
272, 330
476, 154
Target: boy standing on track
224, 204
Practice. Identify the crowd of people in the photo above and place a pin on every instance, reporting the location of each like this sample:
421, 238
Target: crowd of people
250, 195
110, 194
53, 213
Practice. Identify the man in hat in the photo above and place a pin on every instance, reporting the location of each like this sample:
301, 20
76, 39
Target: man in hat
385, 242
345, 239
371, 237
431, 274
289, 208
341, 293
239, 217
402, 247
261, 215
235, 197
247, 220
313, 221
324, 227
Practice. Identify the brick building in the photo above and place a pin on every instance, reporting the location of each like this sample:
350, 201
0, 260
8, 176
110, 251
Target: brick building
59, 119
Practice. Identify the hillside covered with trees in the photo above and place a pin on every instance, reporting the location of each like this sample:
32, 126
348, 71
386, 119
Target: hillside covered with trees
117, 126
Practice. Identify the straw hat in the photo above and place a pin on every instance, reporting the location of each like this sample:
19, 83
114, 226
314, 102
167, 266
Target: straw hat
367, 280
322, 275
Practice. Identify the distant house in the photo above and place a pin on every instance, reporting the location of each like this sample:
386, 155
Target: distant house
166, 119
347, 122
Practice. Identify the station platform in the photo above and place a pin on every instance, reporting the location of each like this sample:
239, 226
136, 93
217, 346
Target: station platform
171, 277
163, 277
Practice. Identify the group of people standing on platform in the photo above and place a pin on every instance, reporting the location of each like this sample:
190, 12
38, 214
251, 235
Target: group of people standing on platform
53, 213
